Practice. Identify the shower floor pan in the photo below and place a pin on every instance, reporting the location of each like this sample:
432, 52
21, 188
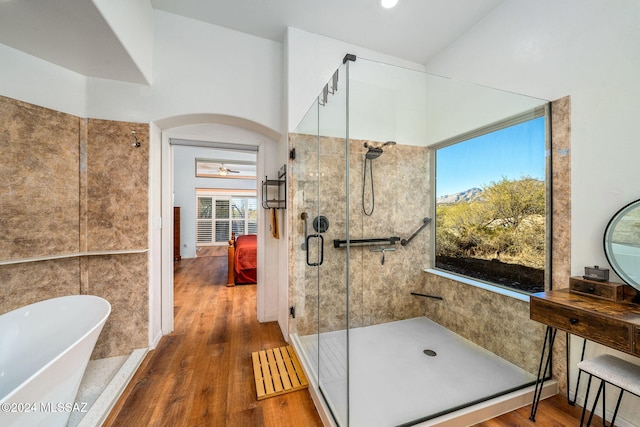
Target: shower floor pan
396, 380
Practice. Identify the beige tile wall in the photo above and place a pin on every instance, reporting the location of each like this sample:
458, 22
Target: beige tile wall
501, 324
70, 185
378, 293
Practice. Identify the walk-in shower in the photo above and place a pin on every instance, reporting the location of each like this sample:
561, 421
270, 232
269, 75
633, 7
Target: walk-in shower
372, 343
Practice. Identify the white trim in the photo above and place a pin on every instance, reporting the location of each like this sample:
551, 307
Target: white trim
166, 178
155, 236
478, 284
227, 192
493, 408
167, 182
262, 232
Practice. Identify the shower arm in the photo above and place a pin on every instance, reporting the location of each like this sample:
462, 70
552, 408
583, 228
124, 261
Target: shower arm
425, 222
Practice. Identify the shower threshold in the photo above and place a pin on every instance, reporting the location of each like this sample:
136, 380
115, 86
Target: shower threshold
393, 382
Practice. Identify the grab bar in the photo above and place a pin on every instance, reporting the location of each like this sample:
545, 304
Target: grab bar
366, 242
425, 222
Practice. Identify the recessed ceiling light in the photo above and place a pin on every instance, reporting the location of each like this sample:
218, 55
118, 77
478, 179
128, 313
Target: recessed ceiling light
388, 4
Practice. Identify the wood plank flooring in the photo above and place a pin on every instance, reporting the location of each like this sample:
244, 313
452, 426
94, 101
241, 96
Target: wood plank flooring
552, 412
202, 375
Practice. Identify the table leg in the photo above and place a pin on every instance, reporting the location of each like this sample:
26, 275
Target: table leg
575, 396
547, 348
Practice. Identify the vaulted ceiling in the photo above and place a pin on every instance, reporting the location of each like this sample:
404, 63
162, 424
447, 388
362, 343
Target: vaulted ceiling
414, 30
74, 34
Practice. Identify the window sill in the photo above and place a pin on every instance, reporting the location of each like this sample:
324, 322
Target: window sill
482, 285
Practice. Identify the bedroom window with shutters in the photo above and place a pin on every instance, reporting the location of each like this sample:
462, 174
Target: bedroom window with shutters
218, 216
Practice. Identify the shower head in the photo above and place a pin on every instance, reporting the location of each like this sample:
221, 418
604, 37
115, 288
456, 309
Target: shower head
375, 152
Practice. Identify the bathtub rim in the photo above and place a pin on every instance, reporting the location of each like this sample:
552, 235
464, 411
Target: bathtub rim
98, 325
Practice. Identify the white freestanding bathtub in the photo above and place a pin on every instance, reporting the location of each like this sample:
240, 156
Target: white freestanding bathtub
44, 350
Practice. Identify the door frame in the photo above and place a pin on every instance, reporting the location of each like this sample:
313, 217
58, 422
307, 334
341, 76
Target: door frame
167, 183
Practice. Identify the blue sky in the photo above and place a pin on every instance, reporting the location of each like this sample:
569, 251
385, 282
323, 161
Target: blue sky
511, 153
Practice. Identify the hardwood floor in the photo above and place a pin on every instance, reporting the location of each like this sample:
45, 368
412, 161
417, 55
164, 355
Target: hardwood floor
201, 374
552, 412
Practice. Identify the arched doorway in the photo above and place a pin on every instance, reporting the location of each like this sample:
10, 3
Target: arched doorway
208, 130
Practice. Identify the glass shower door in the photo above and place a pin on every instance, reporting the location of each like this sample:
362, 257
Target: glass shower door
319, 216
331, 223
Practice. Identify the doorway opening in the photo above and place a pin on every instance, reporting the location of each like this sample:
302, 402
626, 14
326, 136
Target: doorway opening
215, 193
205, 131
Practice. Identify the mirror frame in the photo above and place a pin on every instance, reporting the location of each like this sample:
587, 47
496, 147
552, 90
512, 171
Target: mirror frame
608, 250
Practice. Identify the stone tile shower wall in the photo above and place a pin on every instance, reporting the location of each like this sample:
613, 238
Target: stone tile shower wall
72, 185
499, 323
377, 293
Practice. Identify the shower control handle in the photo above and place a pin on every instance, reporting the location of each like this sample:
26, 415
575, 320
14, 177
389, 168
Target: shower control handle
321, 260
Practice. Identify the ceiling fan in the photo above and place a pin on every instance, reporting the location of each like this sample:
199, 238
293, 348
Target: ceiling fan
224, 171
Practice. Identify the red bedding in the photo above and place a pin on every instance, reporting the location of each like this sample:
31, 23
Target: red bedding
246, 259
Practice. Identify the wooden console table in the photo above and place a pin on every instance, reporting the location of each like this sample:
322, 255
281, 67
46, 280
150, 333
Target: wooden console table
612, 324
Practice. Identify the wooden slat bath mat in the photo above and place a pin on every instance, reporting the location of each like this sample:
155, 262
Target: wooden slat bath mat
277, 371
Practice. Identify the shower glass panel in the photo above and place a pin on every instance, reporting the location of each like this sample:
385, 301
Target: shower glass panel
389, 199
319, 185
362, 178
333, 320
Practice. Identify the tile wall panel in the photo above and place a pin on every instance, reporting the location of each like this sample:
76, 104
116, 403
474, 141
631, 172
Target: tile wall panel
70, 185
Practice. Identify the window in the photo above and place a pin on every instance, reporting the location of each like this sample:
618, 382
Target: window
218, 216
491, 204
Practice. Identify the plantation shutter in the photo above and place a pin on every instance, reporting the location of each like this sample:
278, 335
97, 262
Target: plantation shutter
218, 216
252, 216
222, 220
238, 215
204, 224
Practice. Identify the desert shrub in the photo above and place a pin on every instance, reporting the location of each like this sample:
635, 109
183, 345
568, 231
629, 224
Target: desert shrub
506, 222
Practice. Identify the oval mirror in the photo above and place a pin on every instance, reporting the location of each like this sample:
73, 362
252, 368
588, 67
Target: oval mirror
622, 244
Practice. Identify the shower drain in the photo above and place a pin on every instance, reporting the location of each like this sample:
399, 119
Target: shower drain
429, 352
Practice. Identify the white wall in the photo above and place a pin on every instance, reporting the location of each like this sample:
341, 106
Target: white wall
132, 22
587, 49
200, 67
39, 82
186, 183
121, 101
311, 60
454, 107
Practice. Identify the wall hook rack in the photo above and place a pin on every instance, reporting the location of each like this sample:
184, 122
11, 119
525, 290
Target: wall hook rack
274, 191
